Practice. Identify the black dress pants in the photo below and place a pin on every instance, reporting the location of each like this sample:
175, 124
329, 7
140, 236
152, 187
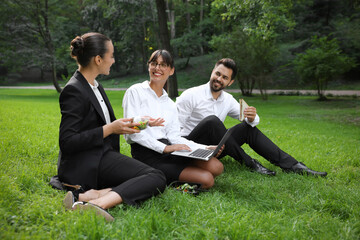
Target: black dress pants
133, 180
211, 129
169, 164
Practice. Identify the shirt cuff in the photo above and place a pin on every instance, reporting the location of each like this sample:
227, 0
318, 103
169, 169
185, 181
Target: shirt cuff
253, 123
160, 147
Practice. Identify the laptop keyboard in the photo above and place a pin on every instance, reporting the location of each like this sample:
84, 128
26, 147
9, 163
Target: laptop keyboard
202, 153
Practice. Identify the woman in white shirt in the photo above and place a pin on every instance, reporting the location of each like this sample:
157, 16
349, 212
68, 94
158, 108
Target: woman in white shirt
153, 145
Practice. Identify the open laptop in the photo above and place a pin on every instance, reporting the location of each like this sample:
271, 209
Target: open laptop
205, 154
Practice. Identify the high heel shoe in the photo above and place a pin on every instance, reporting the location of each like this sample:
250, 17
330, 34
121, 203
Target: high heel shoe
71, 197
86, 206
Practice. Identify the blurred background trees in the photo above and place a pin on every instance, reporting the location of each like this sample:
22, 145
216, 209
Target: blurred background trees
267, 39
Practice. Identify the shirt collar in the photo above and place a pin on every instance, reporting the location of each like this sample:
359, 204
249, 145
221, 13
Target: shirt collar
95, 86
146, 85
210, 96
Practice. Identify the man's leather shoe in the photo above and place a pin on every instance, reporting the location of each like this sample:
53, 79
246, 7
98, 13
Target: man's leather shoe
257, 167
301, 168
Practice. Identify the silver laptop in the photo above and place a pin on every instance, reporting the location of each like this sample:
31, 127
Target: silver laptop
205, 154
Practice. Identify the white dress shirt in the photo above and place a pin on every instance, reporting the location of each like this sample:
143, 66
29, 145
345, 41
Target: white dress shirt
196, 103
101, 101
141, 100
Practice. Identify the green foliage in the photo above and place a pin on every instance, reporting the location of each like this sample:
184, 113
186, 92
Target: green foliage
322, 62
261, 17
24, 35
242, 204
189, 44
133, 27
252, 41
254, 57
129, 24
348, 32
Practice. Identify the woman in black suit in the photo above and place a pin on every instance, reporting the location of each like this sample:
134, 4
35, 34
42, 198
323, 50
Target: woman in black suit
89, 137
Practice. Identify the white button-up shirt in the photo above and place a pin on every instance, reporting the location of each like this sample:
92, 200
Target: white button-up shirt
141, 100
196, 103
101, 101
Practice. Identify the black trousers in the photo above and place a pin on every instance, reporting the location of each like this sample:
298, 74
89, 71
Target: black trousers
133, 180
169, 164
211, 129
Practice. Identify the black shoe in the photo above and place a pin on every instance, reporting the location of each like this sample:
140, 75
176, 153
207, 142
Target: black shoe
257, 167
300, 168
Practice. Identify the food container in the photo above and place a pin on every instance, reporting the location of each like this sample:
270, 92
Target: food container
144, 122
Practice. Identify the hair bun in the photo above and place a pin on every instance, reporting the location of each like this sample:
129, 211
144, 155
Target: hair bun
77, 46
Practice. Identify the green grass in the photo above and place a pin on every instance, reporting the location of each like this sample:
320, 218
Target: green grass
241, 205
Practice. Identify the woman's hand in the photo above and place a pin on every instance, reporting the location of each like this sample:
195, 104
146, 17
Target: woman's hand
176, 147
120, 126
156, 122
212, 147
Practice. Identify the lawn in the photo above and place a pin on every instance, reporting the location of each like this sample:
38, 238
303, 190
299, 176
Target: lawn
241, 205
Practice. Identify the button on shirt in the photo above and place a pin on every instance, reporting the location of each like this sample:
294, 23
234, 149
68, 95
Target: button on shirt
141, 100
101, 101
197, 103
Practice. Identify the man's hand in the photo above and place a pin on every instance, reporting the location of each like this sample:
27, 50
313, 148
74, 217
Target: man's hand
176, 147
250, 113
212, 147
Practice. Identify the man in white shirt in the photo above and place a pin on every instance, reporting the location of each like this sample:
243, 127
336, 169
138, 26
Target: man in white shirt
203, 109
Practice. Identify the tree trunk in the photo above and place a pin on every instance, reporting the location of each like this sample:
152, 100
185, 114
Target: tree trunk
245, 86
201, 19
143, 50
171, 85
171, 17
321, 90
54, 78
262, 80
187, 62
50, 46
188, 18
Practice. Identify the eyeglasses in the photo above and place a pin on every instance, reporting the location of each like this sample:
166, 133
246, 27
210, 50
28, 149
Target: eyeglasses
161, 65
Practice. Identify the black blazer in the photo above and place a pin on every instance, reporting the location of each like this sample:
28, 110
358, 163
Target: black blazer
81, 135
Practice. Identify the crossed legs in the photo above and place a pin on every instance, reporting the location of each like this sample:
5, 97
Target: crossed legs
211, 129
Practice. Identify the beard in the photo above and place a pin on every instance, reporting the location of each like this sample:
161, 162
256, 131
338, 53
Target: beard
214, 88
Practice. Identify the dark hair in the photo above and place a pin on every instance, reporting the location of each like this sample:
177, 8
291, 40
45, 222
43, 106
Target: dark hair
87, 46
229, 63
165, 55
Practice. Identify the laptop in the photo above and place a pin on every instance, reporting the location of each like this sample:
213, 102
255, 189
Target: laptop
205, 154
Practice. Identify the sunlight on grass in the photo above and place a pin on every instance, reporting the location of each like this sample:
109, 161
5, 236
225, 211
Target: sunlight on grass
242, 204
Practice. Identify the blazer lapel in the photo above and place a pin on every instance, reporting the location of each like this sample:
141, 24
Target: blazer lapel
91, 95
107, 102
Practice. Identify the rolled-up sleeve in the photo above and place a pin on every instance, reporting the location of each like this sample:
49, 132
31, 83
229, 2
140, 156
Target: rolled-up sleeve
131, 103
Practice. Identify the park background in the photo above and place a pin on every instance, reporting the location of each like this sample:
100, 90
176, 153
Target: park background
283, 44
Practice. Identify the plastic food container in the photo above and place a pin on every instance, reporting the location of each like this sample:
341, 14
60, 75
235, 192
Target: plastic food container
144, 122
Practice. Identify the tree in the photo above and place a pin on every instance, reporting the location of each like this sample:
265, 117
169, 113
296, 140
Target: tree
171, 87
129, 25
321, 63
188, 45
253, 56
34, 39
252, 30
